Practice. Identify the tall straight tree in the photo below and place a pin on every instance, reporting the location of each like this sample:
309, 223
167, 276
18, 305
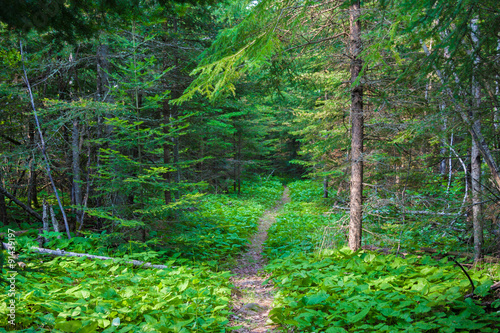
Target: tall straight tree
357, 121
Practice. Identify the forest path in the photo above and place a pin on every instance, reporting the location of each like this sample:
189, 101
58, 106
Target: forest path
252, 301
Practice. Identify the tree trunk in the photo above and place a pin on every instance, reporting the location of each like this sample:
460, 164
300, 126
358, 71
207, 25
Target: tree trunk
75, 165
476, 199
32, 192
442, 151
325, 187
3, 206
166, 153
357, 119
476, 158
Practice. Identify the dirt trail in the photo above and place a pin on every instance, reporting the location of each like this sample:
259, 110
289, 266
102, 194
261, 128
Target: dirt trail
252, 301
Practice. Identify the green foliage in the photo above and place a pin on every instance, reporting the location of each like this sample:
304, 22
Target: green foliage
303, 225
341, 291
78, 295
221, 226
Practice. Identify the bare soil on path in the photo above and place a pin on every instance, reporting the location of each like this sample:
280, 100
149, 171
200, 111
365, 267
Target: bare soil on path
252, 300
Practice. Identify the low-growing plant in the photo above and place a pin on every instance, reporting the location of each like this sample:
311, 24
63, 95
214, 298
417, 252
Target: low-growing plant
78, 295
341, 291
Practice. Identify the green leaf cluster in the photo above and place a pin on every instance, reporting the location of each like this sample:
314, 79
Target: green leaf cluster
341, 291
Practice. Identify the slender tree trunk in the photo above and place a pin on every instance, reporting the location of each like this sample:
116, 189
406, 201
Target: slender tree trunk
166, 153
42, 144
357, 119
102, 95
442, 152
325, 187
32, 192
476, 159
3, 206
77, 188
476, 199
496, 110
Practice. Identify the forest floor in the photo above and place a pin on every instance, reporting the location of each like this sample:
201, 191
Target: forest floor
252, 299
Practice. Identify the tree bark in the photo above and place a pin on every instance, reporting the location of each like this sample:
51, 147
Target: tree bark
3, 206
476, 158
75, 165
357, 119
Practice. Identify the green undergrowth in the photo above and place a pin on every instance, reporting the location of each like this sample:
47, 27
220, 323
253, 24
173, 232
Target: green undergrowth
81, 295
321, 289
341, 291
222, 224
305, 223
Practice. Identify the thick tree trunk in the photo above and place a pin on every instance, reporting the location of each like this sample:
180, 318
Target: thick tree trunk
357, 119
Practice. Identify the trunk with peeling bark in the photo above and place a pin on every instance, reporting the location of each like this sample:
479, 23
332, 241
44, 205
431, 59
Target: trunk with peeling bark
357, 121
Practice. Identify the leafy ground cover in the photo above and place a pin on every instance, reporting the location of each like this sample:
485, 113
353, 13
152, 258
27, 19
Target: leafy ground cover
342, 291
325, 290
303, 223
79, 295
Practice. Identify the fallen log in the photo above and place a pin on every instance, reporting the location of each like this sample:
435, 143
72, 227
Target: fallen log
63, 253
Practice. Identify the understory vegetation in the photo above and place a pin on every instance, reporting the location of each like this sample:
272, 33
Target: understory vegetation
191, 295
324, 287
321, 286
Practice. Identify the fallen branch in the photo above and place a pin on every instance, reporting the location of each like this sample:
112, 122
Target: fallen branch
425, 212
486, 259
422, 212
63, 253
20, 204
